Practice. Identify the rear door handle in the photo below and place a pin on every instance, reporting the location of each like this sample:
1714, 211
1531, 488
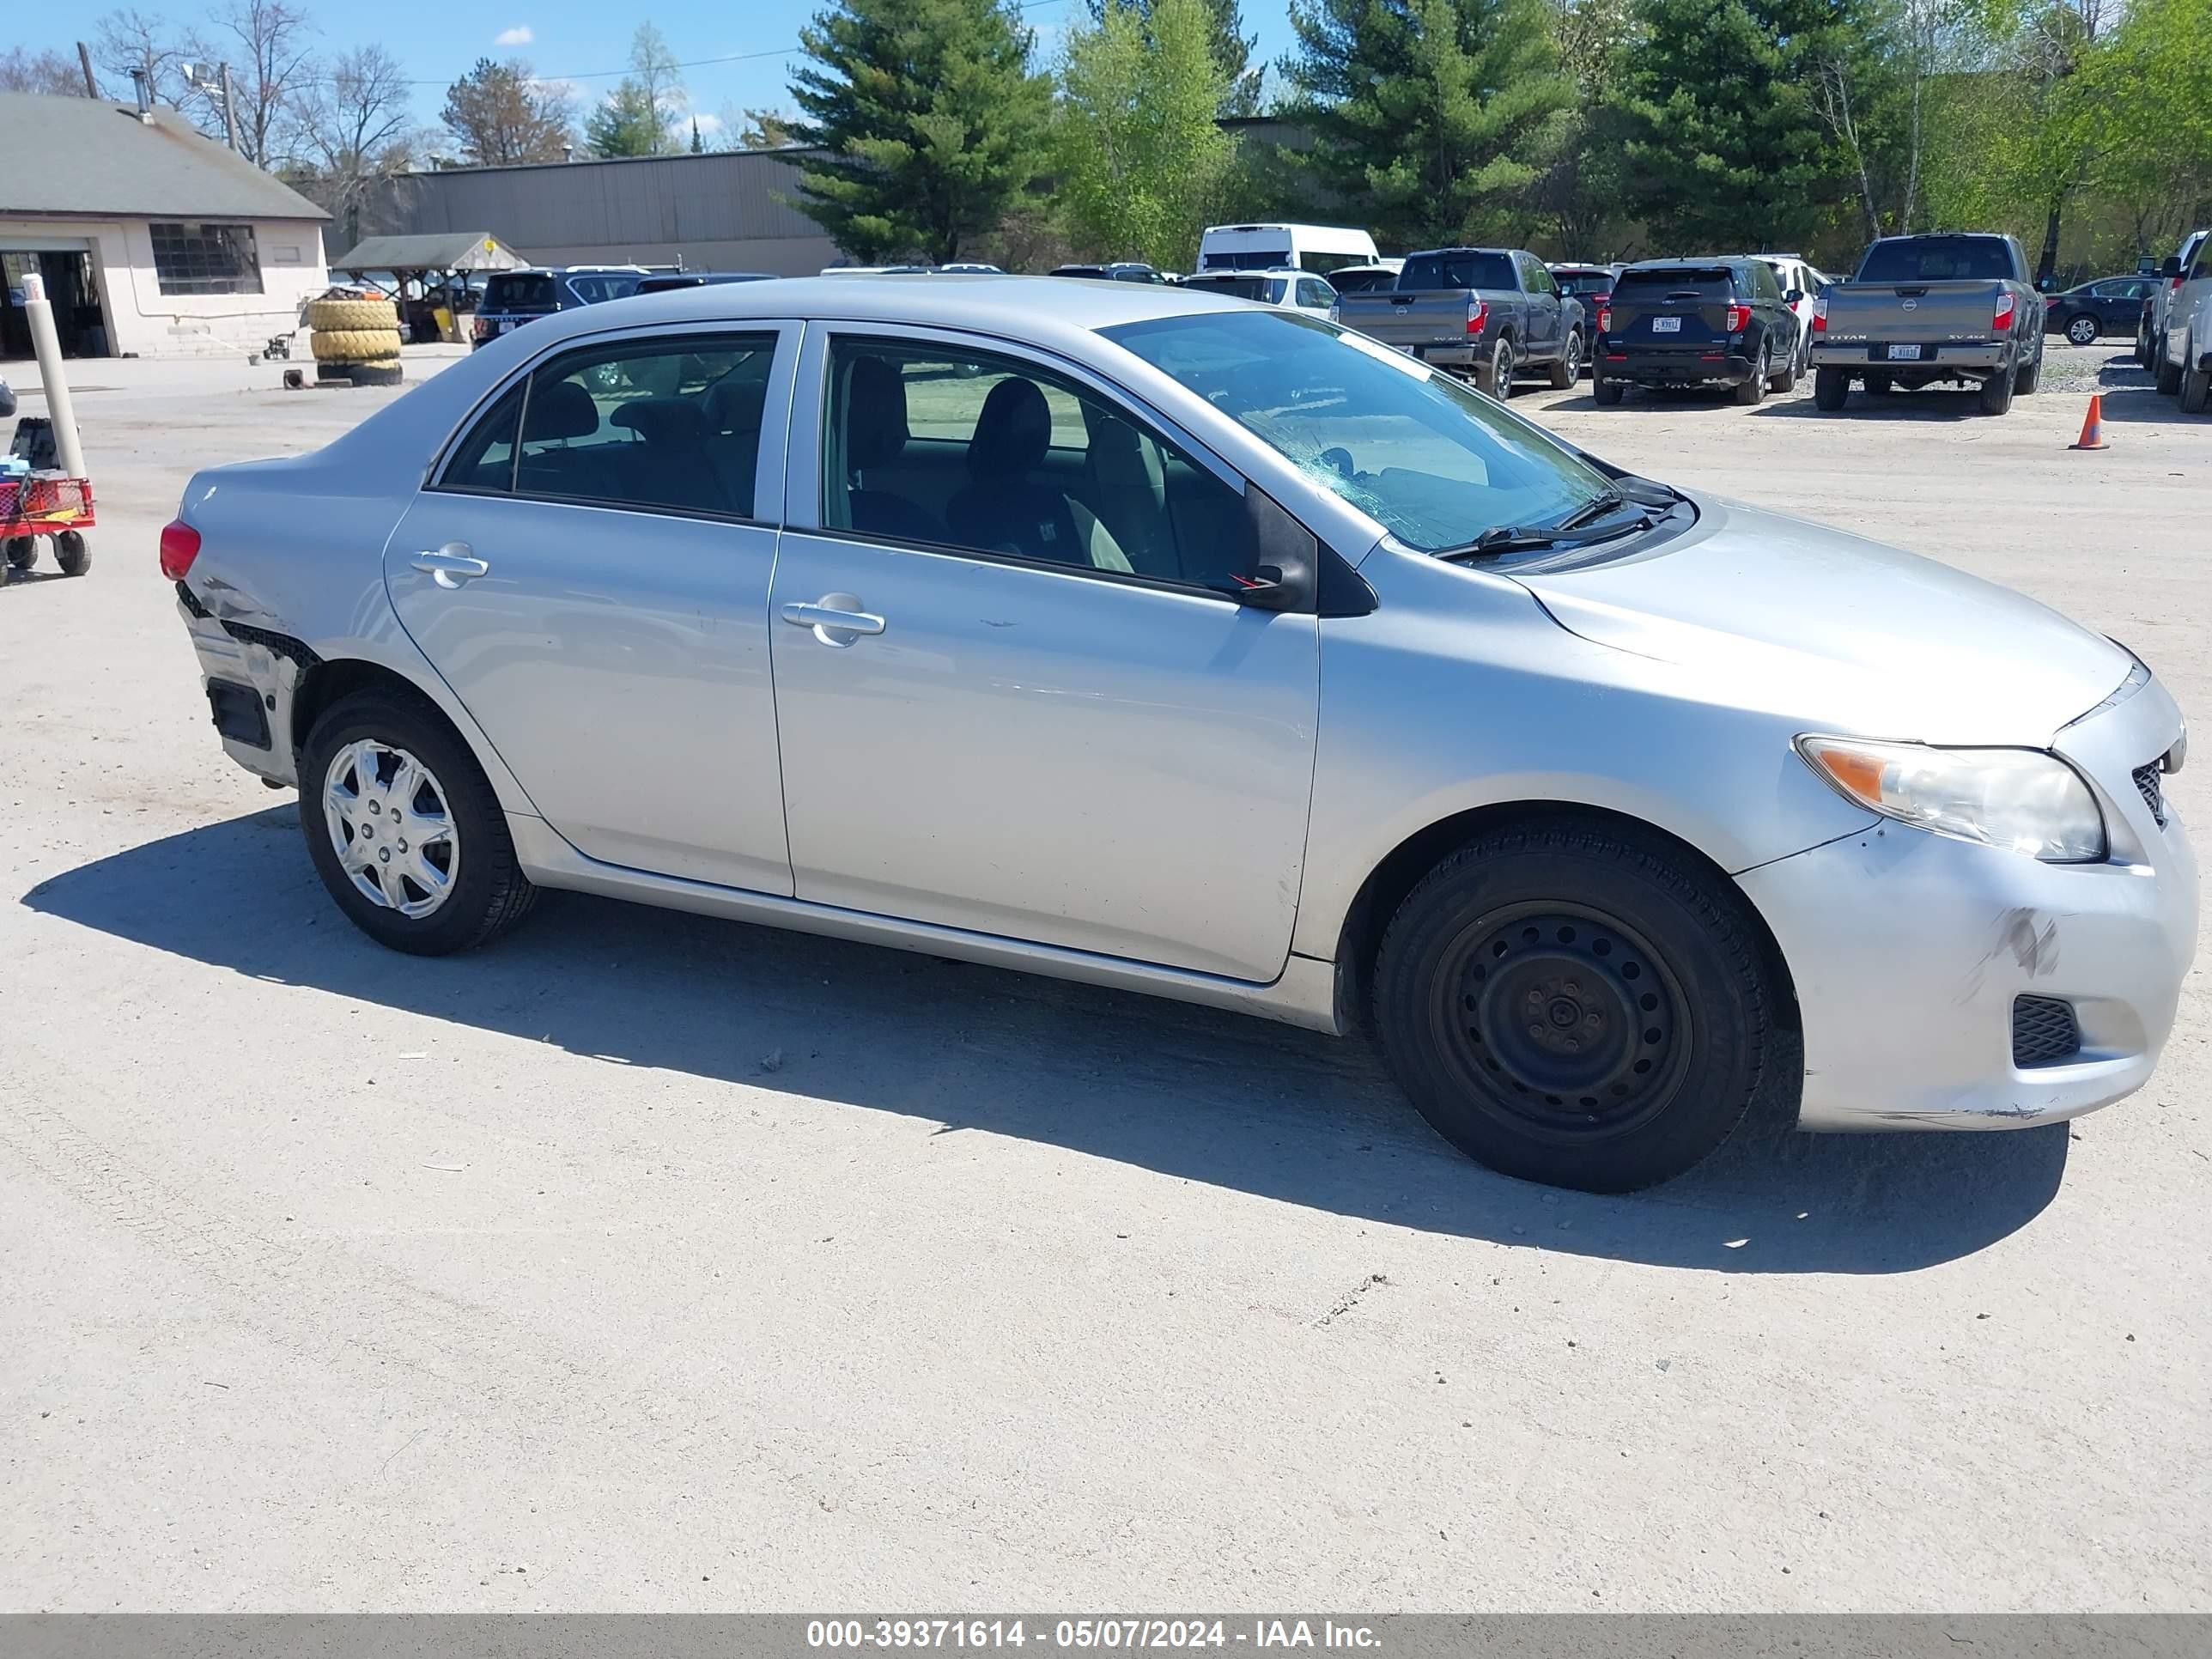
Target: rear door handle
835, 618
451, 565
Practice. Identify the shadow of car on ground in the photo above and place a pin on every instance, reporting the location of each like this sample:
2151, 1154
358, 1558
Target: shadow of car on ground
1190, 1092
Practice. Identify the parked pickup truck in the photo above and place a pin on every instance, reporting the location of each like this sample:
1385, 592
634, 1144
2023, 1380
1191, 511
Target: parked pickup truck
1488, 313
1924, 309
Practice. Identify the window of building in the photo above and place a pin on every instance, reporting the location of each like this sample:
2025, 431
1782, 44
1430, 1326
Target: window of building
205, 259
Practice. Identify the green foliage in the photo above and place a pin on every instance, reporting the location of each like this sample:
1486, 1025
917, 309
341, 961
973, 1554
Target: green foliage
1433, 115
933, 119
627, 123
1140, 155
1232, 48
1724, 146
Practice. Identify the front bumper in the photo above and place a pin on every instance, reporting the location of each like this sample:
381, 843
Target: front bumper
1909, 948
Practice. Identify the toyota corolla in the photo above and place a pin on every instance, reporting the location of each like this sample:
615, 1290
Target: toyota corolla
1148, 638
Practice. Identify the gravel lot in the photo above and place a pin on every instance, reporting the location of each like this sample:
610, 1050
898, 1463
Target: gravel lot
651, 1262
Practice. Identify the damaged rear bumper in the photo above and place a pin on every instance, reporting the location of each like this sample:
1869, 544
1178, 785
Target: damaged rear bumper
248, 669
1909, 950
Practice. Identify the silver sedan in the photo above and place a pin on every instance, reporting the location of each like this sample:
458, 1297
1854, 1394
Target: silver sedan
1154, 640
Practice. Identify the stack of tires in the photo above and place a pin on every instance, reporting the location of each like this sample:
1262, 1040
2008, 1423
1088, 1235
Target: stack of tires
356, 340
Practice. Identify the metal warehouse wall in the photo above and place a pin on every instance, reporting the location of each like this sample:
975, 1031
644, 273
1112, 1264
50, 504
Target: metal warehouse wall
716, 211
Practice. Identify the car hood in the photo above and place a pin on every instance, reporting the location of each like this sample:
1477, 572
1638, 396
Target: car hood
1851, 635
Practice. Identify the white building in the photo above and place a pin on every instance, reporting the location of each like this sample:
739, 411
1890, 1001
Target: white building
154, 240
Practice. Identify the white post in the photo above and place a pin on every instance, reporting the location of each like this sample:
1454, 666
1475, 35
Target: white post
48, 345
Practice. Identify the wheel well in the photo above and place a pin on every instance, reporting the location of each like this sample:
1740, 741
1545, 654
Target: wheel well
1402, 869
328, 681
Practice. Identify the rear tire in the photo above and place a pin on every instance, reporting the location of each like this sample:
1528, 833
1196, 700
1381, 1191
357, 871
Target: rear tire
1787, 379
1752, 392
488, 892
2024, 382
22, 552
2196, 384
1605, 394
1496, 376
1996, 392
1575, 1004
1569, 369
2169, 372
72, 553
2081, 329
1831, 388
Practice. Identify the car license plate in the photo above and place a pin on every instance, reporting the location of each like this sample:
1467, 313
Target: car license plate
1666, 325
1904, 353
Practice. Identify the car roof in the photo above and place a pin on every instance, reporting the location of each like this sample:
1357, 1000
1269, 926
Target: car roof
1008, 307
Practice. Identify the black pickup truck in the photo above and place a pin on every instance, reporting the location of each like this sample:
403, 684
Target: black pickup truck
1488, 313
1928, 308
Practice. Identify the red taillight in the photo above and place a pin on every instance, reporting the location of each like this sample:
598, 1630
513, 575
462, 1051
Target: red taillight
1739, 318
1819, 314
2001, 317
1478, 313
1605, 318
180, 545
481, 328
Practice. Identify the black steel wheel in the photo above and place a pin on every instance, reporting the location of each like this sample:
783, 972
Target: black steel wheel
1577, 1003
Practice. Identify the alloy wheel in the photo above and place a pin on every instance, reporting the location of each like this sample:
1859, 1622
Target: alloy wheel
391, 828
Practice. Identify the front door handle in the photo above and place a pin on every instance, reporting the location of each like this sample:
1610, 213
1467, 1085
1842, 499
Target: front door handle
835, 618
451, 565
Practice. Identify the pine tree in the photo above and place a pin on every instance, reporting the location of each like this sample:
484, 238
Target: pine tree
1725, 145
1429, 117
627, 123
932, 117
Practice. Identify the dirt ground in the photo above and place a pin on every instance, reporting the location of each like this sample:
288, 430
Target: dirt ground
651, 1262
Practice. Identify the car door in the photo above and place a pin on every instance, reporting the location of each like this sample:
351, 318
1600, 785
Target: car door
1010, 702
589, 572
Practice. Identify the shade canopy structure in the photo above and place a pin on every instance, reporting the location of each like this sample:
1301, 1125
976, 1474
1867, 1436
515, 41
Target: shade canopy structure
476, 249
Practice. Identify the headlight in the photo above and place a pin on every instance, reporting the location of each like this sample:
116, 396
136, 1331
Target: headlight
2023, 799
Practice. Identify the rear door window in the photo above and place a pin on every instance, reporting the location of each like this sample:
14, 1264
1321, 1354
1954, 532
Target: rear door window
593, 289
1458, 268
669, 423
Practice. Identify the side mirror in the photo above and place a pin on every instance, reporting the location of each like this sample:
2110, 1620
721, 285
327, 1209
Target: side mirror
2170, 267
1793, 296
1285, 570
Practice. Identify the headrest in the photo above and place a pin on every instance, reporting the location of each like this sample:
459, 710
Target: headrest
559, 409
666, 422
1013, 433
875, 413
733, 402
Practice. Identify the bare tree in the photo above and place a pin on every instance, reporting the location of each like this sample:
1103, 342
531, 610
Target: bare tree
51, 72
652, 68
130, 39
273, 65
355, 130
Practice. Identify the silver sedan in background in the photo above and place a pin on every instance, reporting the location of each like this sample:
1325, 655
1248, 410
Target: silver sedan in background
1151, 639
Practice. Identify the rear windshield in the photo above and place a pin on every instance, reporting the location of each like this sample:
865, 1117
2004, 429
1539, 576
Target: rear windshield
1583, 281
1938, 259
526, 291
1362, 281
1240, 288
1258, 258
1458, 270
1700, 281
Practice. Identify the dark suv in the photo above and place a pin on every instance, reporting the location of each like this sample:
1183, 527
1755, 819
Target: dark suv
1696, 322
511, 298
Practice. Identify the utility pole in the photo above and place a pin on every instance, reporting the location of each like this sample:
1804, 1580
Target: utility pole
229, 111
84, 61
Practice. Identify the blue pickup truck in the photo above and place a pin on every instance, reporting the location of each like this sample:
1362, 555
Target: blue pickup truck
1488, 313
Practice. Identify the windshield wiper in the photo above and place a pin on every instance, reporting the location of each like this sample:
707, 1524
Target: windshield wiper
1511, 538
1596, 507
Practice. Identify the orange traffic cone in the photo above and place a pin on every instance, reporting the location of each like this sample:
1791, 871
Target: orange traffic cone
2093, 425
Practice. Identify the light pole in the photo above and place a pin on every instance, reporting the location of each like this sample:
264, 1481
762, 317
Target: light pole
215, 86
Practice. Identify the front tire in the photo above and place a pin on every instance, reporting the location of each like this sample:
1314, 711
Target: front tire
1575, 1004
72, 553
1569, 369
2169, 372
2196, 384
1753, 391
403, 828
22, 552
1831, 387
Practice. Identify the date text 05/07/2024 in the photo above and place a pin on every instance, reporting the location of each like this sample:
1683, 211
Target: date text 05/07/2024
1109, 1634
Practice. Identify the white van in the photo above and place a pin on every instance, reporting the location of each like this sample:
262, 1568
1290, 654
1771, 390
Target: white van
1321, 248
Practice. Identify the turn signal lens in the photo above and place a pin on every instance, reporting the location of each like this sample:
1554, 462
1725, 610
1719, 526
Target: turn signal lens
180, 545
2025, 800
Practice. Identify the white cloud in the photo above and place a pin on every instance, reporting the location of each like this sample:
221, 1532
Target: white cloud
705, 122
521, 35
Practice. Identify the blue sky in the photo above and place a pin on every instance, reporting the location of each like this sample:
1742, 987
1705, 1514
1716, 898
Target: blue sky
588, 41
